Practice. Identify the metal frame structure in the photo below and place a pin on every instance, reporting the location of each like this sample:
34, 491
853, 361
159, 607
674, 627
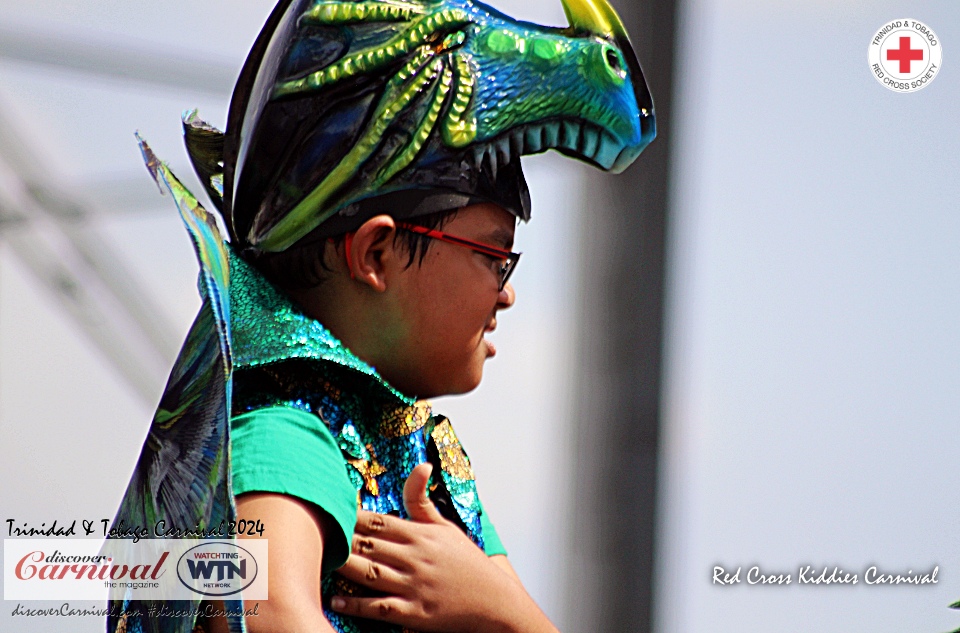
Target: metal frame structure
50, 229
612, 549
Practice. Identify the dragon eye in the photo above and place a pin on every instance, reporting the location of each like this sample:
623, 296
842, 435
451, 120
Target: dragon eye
603, 64
613, 60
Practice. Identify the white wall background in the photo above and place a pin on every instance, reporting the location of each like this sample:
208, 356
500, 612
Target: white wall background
813, 359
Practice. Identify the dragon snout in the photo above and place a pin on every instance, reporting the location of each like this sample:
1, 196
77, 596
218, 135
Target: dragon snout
645, 119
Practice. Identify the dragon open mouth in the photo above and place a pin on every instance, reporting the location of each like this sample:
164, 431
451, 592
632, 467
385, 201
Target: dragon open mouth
582, 139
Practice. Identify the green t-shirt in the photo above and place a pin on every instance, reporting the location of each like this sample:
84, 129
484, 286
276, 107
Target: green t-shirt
287, 451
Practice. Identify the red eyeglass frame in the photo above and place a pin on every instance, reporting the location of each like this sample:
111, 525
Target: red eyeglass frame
509, 258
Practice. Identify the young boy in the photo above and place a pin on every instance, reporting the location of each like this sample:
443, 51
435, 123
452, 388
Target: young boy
370, 181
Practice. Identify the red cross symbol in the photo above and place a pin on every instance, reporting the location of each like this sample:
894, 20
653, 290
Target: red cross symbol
905, 54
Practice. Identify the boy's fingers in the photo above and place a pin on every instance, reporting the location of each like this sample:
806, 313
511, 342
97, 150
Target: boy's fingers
415, 499
372, 574
389, 609
380, 551
371, 522
385, 528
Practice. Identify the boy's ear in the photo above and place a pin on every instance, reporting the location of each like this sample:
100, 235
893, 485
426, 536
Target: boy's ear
370, 250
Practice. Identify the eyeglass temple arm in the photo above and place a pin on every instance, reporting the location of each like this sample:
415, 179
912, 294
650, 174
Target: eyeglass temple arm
444, 237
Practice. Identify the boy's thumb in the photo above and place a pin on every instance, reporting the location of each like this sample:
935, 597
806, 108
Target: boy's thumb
415, 499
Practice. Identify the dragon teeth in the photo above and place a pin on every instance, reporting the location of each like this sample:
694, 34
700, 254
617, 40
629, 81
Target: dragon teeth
551, 135
478, 154
517, 144
492, 157
608, 151
569, 135
503, 150
590, 142
532, 138
585, 139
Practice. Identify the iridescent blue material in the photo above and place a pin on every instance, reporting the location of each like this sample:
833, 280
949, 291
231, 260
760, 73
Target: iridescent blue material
268, 328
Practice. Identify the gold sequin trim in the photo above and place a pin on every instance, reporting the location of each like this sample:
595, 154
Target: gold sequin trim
369, 470
405, 420
453, 459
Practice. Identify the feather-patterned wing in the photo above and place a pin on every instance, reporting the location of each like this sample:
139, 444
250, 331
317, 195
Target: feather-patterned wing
182, 475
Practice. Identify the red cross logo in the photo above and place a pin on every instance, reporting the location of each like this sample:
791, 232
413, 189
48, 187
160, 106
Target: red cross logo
905, 55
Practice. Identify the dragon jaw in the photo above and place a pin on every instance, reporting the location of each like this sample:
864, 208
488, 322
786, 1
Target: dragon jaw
581, 93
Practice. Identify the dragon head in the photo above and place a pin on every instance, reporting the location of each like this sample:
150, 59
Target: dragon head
346, 109
578, 90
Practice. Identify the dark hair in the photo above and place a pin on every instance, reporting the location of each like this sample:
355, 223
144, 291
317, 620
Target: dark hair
301, 267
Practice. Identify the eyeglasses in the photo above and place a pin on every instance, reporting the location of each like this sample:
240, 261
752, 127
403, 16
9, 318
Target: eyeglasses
509, 259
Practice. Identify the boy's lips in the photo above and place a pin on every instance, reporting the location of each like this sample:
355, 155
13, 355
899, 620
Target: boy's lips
491, 348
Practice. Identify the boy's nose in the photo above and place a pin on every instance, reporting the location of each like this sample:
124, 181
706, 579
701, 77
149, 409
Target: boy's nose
507, 297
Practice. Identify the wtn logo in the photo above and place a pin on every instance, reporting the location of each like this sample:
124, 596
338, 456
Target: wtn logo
224, 568
217, 569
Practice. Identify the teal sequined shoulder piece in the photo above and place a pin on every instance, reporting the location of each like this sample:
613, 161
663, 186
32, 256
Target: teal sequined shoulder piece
266, 328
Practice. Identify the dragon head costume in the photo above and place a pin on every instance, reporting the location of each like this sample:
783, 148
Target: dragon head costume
347, 109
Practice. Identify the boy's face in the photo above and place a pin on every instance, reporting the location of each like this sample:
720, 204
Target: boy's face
449, 304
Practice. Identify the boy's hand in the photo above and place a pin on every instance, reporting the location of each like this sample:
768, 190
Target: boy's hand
433, 576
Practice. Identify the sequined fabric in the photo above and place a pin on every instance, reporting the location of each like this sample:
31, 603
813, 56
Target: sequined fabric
283, 357
267, 328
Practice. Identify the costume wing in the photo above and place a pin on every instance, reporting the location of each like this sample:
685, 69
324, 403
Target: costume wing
182, 476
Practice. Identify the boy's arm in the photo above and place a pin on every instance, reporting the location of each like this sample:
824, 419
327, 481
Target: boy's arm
296, 532
503, 563
434, 578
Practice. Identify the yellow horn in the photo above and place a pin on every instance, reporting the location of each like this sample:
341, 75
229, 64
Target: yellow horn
594, 16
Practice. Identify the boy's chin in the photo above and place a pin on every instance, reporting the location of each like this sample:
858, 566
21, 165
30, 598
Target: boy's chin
457, 384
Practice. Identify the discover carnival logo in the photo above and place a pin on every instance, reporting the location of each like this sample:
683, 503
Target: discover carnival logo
905, 55
90, 569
